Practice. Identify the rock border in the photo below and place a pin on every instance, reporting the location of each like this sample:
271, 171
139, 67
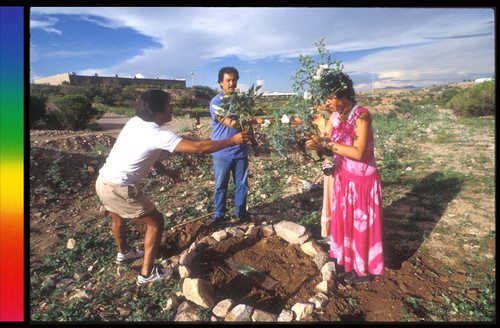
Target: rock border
200, 292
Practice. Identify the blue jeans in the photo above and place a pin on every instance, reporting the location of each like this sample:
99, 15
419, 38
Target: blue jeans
222, 169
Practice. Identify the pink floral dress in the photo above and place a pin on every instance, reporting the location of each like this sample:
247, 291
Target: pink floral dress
356, 226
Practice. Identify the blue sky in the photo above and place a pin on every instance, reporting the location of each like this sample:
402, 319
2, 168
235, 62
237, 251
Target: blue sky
378, 47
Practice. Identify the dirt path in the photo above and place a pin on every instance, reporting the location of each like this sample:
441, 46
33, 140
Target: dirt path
113, 123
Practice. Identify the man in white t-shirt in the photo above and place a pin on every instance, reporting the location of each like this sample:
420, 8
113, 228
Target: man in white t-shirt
138, 146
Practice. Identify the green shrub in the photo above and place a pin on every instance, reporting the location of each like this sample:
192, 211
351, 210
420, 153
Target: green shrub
187, 101
475, 101
178, 112
404, 106
447, 94
204, 93
38, 101
74, 112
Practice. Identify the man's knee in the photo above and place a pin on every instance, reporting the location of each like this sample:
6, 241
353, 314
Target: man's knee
158, 219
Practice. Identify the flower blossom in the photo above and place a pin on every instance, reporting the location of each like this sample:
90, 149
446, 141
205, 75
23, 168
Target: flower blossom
266, 123
285, 119
307, 95
321, 70
217, 109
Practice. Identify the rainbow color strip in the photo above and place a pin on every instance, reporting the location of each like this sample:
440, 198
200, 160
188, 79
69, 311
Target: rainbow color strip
11, 164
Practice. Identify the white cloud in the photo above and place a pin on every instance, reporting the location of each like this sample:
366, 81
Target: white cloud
46, 25
450, 60
413, 43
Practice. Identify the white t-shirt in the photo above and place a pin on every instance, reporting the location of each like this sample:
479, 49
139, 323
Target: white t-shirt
136, 150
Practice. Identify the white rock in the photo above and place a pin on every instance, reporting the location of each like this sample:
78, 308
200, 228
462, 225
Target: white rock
311, 248
263, 316
240, 312
199, 291
174, 266
187, 258
184, 271
192, 247
267, 230
235, 232
286, 316
302, 310
208, 240
223, 307
172, 303
329, 275
329, 271
324, 287
219, 235
319, 300
329, 266
320, 259
252, 231
186, 312
292, 232
71, 243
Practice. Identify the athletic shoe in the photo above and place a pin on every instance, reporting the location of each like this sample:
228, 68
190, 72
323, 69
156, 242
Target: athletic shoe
131, 255
156, 274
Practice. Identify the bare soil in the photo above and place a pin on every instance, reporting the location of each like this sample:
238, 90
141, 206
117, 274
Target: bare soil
410, 272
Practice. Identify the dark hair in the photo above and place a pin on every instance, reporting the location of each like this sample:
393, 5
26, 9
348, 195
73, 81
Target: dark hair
151, 102
338, 84
228, 70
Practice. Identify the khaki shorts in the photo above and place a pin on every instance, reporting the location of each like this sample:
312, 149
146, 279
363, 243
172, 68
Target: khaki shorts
126, 201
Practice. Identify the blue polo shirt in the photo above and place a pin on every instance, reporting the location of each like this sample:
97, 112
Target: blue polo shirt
220, 131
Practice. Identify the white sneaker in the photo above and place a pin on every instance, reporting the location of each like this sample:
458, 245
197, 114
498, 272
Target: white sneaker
156, 274
131, 255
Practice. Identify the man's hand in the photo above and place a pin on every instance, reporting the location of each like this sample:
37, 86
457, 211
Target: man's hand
240, 138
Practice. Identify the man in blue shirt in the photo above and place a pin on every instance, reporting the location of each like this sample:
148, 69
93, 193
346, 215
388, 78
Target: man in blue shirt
232, 159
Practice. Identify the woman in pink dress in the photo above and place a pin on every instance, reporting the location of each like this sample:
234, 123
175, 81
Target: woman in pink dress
356, 222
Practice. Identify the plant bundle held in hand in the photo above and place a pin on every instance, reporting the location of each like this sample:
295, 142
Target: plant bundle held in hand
240, 106
310, 91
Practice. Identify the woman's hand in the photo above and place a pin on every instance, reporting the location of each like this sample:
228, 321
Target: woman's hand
315, 142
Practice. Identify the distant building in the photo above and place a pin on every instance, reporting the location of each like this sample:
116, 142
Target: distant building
95, 79
484, 79
278, 94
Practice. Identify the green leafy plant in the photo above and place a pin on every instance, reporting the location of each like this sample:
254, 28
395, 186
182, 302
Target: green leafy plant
38, 101
309, 92
74, 112
240, 106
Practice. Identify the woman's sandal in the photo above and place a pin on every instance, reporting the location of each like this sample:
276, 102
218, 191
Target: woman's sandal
352, 278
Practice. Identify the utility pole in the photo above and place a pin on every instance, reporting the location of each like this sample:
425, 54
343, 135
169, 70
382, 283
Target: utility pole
372, 81
192, 77
248, 78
